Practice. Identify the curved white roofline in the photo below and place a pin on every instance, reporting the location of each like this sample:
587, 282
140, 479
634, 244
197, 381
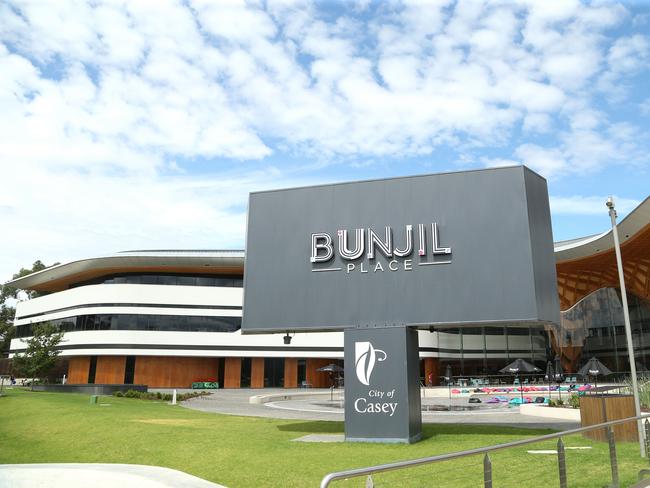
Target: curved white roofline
207, 258
636, 220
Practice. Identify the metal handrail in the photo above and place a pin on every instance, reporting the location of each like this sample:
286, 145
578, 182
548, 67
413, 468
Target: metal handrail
353, 473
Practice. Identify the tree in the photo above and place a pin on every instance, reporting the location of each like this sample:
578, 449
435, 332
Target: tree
12, 292
41, 353
6, 327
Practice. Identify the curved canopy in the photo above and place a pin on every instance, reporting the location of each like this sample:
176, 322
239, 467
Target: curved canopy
61, 276
588, 264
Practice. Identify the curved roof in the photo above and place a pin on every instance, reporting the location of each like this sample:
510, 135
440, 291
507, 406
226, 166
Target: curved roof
582, 247
59, 277
588, 264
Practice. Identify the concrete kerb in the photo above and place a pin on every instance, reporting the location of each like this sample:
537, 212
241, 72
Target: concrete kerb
278, 397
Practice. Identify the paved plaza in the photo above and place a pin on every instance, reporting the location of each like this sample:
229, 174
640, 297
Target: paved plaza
300, 404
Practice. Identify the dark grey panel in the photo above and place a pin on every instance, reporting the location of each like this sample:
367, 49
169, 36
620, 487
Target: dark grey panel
382, 391
539, 216
485, 217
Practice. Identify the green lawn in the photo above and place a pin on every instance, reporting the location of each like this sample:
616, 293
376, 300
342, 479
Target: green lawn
246, 451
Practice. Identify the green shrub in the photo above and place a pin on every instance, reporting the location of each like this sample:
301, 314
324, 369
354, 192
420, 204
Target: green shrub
559, 402
552, 403
167, 397
574, 401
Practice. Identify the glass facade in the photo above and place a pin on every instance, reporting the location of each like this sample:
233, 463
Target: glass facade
181, 323
592, 327
166, 279
483, 351
596, 327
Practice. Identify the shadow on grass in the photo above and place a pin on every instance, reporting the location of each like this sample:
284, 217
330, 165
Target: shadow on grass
315, 427
428, 430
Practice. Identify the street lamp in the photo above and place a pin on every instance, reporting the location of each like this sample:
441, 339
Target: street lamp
626, 316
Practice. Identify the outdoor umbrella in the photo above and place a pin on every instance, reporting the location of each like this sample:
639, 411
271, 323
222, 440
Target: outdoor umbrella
448, 377
548, 377
331, 369
595, 368
520, 366
559, 375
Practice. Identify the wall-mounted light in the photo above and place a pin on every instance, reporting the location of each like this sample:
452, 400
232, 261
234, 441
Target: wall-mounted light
287, 338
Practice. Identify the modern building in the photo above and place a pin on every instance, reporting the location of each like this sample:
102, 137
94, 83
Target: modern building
169, 318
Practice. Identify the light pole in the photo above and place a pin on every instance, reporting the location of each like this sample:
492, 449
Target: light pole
626, 317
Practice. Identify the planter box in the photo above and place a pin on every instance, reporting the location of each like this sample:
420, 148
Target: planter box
596, 409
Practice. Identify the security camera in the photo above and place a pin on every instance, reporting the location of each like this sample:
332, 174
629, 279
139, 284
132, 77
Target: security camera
610, 203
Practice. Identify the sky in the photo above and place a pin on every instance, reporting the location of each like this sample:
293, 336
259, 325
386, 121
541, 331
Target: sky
145, 124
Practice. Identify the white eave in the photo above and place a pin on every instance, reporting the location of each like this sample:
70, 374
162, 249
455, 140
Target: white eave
134, 259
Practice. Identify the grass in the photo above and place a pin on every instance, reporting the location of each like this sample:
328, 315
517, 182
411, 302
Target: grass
37, 427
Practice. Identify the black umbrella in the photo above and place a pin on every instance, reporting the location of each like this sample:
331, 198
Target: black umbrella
559, 375
520, 366
595, 368
549, 376
331, 368
448, 378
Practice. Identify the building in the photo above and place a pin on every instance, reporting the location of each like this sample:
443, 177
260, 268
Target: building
169, 318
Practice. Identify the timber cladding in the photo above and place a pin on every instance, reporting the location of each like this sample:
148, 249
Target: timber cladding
174, 371
110, 370
78, 367
290, 373
232, 373
318, 379
257, 373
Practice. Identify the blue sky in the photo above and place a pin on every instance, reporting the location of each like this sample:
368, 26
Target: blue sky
131, 125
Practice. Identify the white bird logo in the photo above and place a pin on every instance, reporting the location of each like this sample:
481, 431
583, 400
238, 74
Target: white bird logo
365, 357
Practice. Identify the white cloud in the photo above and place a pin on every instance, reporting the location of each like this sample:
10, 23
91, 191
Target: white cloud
101, 101
644, 106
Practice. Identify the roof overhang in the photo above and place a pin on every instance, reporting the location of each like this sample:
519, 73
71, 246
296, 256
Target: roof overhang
584, 247
59, 277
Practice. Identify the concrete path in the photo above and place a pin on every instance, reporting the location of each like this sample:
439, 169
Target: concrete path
97, 476
318, 407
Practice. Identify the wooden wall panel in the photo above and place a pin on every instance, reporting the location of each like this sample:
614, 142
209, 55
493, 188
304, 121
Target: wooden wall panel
257, 373
78, 370
232, 373
432, 367
173, 371
595, 409
110, 370
290, 373
315, 378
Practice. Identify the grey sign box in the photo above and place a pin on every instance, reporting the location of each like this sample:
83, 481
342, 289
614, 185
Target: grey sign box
393, 389
496, 221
